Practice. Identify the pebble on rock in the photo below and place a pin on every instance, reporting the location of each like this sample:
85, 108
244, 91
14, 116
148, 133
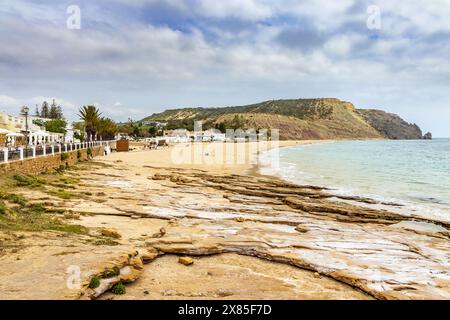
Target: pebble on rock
186, 261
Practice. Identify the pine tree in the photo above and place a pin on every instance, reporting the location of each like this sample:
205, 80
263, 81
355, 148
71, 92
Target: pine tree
53, 111
44, 111
59, 113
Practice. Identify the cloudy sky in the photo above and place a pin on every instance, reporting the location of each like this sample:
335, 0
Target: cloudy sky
136, 57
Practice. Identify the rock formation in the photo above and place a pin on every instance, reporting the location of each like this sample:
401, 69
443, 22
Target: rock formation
385, 254
359, 243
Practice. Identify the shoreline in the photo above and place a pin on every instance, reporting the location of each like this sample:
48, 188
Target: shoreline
249, 237
374, 201
256, 168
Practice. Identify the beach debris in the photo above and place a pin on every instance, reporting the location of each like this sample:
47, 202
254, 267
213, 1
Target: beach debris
187, 261
110, 233
240, 219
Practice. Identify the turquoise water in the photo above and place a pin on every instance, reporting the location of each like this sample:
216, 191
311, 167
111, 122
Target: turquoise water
414, 173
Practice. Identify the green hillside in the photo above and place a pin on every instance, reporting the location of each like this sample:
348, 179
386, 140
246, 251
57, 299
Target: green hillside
326, 118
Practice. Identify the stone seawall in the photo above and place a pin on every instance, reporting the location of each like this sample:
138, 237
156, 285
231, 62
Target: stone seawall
50, 162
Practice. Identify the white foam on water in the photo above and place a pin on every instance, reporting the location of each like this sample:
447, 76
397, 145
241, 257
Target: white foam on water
330, 173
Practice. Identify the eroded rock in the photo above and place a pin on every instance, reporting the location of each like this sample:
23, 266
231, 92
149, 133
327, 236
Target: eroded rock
187, 261
110, 233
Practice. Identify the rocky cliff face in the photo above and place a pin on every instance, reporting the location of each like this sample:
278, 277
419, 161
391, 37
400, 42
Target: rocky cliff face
325, 118
391, 125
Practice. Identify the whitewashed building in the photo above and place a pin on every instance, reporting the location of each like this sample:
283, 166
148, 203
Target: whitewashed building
213, 135
17, 130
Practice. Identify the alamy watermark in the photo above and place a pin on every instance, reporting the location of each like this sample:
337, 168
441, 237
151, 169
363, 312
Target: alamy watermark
373, 21
234, 147
73, 21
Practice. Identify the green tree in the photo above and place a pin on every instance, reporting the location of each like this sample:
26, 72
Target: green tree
59, 112
39, 122
45, 112
53, 113
106, 128
56, 125
90, 116
237, 122
136, 131
152, 131
79, 130
221, 126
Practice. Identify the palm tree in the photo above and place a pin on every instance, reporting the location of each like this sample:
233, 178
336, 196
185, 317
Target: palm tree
91, 116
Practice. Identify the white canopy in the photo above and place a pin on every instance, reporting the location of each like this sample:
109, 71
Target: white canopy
3, 131
14, 134
40, 133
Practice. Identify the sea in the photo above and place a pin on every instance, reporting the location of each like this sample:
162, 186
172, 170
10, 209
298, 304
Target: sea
412, 173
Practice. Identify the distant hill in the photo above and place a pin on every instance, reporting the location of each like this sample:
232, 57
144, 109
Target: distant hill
391, 125
325, 118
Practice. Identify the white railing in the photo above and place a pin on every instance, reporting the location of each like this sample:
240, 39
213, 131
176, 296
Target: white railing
21, 153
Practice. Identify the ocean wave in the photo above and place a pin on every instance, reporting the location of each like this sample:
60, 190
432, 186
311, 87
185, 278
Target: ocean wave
387, 184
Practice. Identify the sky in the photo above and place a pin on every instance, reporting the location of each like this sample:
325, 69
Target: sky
132, 58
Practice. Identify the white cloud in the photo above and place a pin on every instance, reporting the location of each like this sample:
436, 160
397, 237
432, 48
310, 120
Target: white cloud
245, 9
7, 103
13, 105
420, 16
220, 46
342, 45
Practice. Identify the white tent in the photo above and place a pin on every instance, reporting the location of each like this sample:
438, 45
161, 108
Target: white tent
3, 131
11, 138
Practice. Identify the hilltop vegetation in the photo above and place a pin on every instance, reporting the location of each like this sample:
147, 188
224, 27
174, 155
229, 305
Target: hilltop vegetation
297, 119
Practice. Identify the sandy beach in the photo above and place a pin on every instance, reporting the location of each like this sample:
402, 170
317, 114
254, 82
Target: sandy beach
219, 158
245, 236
